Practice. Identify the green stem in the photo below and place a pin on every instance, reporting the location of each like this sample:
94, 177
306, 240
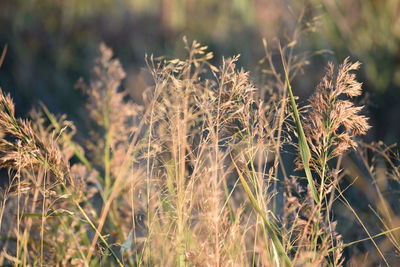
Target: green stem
305, 153
60, 176
364, 239
270, 230
97, 232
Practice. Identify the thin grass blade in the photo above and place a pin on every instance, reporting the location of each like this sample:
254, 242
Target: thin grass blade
305, 153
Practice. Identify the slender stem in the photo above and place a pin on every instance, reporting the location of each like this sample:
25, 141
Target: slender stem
107, 156
323, 170
270, 229
82, 211
97, 232
305, 153
364, 239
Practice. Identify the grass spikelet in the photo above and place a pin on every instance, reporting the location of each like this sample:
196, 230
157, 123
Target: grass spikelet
333, 122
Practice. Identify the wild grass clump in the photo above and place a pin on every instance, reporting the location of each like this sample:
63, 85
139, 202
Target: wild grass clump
195, 176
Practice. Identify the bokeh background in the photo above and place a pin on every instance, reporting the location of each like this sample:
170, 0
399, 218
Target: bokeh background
51, 43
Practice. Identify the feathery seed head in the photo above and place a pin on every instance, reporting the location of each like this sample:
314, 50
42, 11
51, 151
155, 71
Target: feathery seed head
333, 122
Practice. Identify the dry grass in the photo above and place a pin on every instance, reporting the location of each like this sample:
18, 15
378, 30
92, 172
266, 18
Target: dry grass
195, 176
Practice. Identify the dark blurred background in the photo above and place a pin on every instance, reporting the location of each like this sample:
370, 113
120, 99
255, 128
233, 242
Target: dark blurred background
51, 43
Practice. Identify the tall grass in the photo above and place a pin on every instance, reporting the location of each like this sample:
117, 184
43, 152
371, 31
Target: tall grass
195, 176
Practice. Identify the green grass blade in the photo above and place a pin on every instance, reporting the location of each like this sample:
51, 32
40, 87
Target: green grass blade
271, 232
305, 153
67, 139
39, 215
364, 239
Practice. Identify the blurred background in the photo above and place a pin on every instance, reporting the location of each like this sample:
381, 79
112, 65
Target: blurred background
51, 43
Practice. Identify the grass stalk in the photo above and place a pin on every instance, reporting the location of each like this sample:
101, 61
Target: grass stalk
370, 238
271, 231
305, 153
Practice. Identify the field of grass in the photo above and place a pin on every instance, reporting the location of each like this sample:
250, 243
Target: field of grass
214, 168
197, 156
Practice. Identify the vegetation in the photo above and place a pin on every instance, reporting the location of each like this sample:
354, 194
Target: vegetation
198, 175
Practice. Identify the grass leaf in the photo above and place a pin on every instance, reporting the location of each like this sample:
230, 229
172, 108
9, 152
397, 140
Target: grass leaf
305, 153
